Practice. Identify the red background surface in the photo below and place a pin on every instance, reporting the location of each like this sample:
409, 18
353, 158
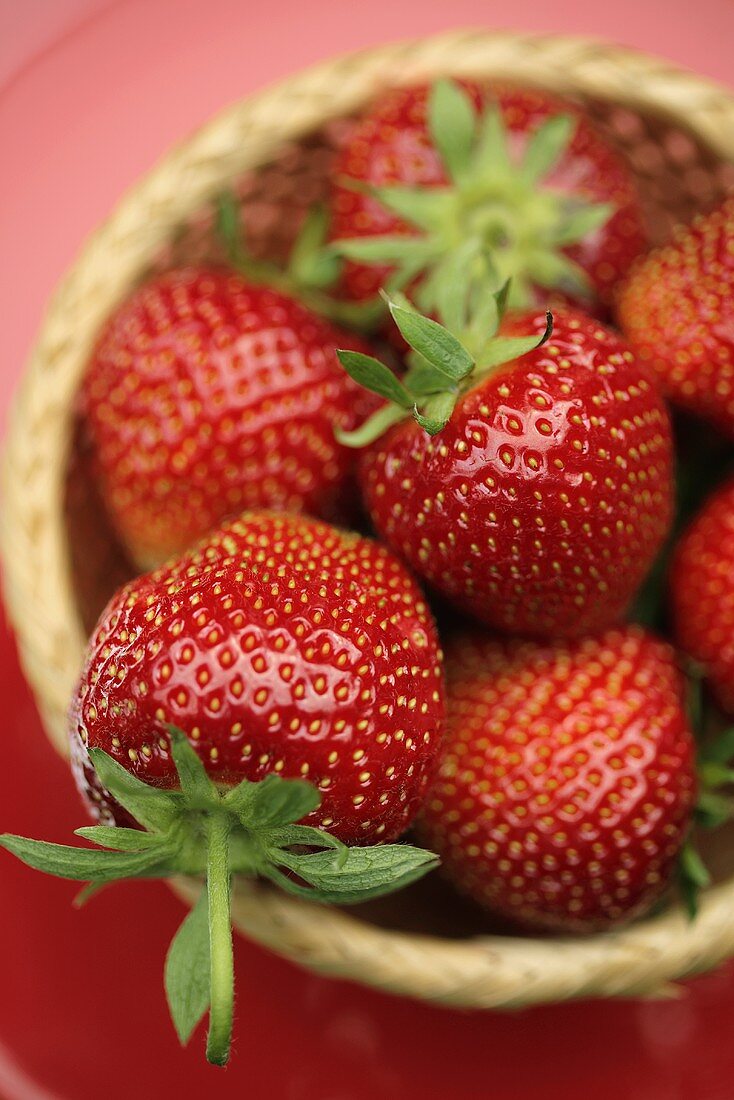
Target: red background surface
91, 92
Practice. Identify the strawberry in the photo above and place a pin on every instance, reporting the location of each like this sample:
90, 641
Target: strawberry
206, 395
677, 311
533, 492
567, 783
702, 593
280, 646
278, 687
513, 170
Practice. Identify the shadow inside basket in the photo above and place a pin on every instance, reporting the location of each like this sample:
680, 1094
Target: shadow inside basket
677, 176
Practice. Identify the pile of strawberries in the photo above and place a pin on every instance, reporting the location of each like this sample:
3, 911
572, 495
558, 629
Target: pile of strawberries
270, 696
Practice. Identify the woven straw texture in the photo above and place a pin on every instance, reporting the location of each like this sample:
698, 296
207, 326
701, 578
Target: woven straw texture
677, 131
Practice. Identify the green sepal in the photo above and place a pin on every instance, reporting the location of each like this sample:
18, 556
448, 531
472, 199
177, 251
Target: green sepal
85, 864
423, 207
436, 412
373, 428
399, 249
447, 288
713, 774
452, 124
363, 874
501, 298
581, 221
555, 271
713, 809
433, 342
196, 786
87, 892
374, 376
505, 349
228, 228
484, 317
312, 263
272, 802
545, 147
363, 316
186, 972
492, 154
120, 839
693, 877
304, 835
153, 808
403, 276
423, 380
720, 750
695, 704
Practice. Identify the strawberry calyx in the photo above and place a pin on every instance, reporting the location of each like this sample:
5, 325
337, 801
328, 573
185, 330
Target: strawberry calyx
714, 806
705, 464
312, 266
715, 772
442, 365
204, 831
493, 201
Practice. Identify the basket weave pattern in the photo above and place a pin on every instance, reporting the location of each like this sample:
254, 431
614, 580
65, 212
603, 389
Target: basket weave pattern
678, 132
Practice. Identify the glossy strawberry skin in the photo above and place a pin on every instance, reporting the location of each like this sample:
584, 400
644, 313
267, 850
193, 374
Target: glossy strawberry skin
541, 505
677, 311
281, 645
702, 593
205, 396
567, 781
390, 145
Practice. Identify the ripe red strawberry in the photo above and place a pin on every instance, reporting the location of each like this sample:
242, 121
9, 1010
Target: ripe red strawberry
206, 395
702, 593
278, 687
567, 784
677, 311
279, 646
540, 505
535, 183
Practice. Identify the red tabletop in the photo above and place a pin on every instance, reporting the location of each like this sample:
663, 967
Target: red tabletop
90, 93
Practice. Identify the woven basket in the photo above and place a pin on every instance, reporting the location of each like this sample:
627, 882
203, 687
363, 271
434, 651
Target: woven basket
677, 131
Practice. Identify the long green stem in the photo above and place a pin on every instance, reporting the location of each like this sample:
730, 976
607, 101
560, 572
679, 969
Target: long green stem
220, 940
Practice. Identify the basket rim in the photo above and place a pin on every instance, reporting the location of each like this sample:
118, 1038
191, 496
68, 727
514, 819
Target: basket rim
490, 971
